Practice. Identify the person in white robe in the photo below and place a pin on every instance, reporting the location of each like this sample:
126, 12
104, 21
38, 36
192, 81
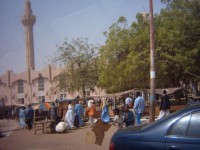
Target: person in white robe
22, 116
70, 116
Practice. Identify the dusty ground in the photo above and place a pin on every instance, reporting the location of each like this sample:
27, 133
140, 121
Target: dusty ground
23, 139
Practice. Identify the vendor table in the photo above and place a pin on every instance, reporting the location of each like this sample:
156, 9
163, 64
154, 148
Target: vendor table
41, 125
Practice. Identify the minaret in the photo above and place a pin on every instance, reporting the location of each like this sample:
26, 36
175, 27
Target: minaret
28, 20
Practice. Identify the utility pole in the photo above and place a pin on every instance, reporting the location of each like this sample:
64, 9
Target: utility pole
152, 65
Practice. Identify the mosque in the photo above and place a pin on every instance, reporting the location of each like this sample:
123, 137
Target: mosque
32, 86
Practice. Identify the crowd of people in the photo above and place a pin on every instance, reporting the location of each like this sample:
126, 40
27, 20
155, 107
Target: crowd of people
123, 115
128, 114
73, 119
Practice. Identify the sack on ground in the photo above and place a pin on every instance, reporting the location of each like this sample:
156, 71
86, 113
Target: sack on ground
61, 126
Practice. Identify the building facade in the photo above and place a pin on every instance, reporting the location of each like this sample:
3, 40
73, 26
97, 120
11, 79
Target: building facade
33, 86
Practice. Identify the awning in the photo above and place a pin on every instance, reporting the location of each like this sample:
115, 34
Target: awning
65, 100
20, 105
42, 106
68, 99
169, 90
133, 91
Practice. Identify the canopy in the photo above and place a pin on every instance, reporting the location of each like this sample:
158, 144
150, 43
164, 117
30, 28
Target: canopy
42, 106
20, 105
67, 99
169, 90
157, 91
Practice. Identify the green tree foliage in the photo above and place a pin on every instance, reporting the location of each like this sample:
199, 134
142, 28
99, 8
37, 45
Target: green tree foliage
112, 55
177, 44
124, 59
80, 60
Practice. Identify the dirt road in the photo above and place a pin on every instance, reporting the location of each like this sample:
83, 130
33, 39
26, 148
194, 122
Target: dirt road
23, 139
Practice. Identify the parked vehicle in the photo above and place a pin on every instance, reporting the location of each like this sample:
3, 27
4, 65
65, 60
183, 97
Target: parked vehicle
178, 131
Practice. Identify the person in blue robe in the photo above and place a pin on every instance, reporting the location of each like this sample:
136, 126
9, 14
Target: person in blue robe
105, 115
79, 111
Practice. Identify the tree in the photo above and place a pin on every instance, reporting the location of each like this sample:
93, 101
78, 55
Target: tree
111, 56
124, 58
80, 61
178, 38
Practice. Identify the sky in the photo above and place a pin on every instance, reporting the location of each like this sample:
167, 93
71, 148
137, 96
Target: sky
57, 20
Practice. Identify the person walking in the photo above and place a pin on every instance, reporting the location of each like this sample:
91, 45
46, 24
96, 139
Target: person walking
22, 117
79, 112
164, 105
70, 116
139, 107
29, 117
90, 112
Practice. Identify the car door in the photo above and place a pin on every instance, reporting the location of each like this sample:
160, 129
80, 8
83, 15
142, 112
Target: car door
185, 133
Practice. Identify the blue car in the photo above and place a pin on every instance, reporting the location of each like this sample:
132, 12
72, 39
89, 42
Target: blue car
178, 131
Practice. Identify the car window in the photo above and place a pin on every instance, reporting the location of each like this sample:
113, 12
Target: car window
180, 128
194, 126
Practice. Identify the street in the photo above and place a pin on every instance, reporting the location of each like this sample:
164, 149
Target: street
23, 139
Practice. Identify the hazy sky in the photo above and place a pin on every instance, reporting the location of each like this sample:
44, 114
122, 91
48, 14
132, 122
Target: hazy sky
57, 20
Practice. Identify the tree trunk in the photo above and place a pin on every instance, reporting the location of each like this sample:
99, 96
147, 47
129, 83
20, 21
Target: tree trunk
83, 90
